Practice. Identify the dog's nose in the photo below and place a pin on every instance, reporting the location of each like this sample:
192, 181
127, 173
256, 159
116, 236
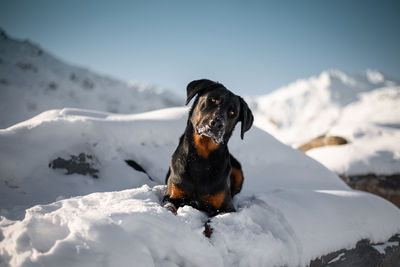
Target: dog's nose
217, 123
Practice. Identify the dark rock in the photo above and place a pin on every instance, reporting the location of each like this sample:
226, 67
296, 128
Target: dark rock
3, 34
53, 86
386, 186
4, 81
73, 77
81, 164
321, 141
364, 254
26, 66
10, 185
87, 85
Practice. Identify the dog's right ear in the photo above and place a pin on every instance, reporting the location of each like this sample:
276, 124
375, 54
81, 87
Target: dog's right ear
197, 87
246, 117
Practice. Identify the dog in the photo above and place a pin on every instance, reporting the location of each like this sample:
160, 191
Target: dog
202, 172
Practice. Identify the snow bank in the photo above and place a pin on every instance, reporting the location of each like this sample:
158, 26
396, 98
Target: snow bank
290, 211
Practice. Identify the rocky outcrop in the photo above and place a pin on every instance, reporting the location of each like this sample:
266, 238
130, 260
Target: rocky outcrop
364, 254
386, 186
81, 164
321, 141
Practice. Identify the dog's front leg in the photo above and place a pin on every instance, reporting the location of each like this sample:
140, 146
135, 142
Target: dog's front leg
170, 206
173, 198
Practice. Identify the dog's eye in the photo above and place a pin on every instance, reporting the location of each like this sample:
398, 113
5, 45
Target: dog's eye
232, 113
213, 99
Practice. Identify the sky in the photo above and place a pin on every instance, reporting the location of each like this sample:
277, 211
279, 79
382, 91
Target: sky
252, 47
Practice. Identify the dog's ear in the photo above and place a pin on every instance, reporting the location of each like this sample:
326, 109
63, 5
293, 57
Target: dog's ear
197, 87
245, 116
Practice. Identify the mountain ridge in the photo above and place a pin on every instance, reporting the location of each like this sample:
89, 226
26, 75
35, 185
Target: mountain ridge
313, 103
33, 80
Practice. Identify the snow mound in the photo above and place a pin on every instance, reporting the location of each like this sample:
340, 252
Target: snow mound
147, 138
285, 227
291, 209
32, 81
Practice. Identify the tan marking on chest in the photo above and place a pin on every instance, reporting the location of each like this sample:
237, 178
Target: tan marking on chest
215, 200
204, 145
175, 192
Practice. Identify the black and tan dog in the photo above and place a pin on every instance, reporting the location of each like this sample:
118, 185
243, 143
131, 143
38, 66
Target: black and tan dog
202, 172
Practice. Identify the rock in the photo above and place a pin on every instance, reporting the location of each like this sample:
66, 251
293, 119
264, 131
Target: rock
323, 140
26, 66
364, 254
81, 164
386, 186
52, 86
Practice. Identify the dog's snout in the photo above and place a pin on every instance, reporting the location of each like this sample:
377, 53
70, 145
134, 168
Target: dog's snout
217, 123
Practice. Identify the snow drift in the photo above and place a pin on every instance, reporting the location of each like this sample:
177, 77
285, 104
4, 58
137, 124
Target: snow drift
291, 209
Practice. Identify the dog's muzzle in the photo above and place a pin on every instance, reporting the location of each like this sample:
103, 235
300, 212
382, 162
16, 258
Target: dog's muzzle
214, 129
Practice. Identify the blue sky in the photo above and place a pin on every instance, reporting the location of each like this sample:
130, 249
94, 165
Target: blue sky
253, 47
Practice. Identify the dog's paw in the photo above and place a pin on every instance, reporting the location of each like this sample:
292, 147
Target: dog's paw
171, 207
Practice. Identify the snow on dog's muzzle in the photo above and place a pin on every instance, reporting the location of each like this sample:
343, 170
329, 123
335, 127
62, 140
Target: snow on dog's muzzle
214, 129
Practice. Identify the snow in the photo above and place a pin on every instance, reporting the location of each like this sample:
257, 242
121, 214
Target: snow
363, 108
337, 258
148, 138
381, 248
373, 134
291, 209
314, 104
33, 81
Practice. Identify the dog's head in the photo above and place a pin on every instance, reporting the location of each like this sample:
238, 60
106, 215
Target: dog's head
216, 110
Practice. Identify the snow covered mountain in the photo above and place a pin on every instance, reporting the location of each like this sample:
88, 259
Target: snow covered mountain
32, 81
310, 107
363, 109
291, 209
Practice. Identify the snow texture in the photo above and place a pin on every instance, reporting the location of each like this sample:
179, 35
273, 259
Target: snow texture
291, 209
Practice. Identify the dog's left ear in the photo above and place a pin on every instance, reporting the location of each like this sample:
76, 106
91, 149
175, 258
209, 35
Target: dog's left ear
245, 116
197, 87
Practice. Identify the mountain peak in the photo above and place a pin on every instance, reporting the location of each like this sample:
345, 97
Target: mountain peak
374, 76
365, 80
314, 103
3, 34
